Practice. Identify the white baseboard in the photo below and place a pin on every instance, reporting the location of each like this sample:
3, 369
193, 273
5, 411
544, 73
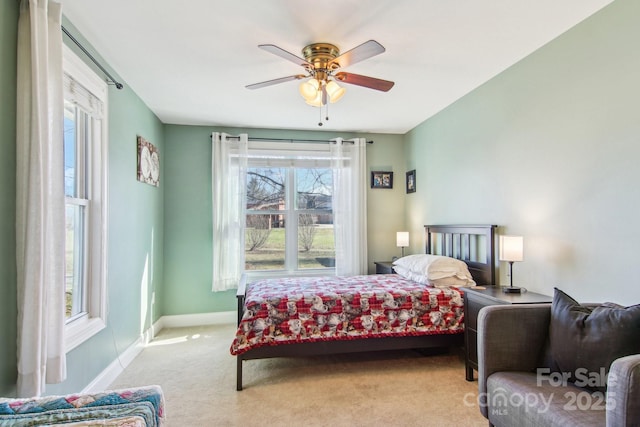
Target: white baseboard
198, 319
115, 368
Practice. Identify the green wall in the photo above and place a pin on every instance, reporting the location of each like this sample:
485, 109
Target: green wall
135, 226
8, 308
548, 150
188, 241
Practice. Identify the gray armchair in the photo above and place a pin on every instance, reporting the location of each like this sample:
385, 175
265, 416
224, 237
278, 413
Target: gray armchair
513, 391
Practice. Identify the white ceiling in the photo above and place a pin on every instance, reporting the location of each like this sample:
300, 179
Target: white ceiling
190, 61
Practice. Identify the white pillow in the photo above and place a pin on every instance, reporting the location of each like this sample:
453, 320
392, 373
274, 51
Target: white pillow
436, 270
446, 282
410, 275
417, 262
404, 272
425, 263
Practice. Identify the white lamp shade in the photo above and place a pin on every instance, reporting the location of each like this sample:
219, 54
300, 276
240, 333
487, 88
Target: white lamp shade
309, 89
317, 101
511, 248
402, 239
334, 91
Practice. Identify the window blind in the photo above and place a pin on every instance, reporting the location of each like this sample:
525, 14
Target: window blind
82, 97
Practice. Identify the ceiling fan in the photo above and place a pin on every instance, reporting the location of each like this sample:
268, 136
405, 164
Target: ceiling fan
322, 62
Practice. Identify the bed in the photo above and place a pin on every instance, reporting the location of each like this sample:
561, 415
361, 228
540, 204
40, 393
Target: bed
314, 316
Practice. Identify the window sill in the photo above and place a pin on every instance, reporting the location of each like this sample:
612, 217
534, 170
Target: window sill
257, 275
81, 330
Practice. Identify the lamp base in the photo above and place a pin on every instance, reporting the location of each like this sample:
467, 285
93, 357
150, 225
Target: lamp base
511, 290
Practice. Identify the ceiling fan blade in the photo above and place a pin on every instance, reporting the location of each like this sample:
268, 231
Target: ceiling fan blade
370, 82
275, 81
271, 48
359, 53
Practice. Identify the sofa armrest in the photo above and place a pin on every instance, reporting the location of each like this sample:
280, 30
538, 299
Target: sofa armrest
510, 338
623, 392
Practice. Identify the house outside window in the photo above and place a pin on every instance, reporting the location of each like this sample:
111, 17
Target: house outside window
85, 184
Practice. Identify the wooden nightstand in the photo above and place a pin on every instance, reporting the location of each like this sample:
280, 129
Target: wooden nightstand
384, 267
474, 300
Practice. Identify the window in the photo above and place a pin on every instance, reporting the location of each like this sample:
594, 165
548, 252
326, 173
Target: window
85, 179
287, 194
289, 221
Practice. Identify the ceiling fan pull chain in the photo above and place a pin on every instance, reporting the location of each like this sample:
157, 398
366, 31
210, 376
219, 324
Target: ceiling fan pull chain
327, 116
320, 122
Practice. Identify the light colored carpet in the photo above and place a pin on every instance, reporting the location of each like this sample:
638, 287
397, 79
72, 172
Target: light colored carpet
396, 388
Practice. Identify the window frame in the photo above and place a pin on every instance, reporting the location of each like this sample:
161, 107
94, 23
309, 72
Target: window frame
81, 327
291, 213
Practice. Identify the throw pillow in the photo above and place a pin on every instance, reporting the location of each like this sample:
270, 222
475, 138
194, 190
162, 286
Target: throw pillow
585, 340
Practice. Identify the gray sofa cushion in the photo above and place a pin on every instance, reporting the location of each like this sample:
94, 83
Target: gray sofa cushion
522, 399
585, 340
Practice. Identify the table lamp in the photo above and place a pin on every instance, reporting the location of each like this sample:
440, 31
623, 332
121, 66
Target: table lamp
511, 250
402, 240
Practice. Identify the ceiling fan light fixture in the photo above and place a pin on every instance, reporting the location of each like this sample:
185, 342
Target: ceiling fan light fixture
309, 89
321, 64
335, 91
317, 101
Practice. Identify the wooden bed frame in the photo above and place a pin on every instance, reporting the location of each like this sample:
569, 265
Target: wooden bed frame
466, 242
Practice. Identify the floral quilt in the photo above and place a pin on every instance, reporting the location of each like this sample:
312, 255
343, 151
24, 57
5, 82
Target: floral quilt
305, 309
135, 407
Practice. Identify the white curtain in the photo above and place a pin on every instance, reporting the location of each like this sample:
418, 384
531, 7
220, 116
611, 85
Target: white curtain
349, 160
40, 213
228, 185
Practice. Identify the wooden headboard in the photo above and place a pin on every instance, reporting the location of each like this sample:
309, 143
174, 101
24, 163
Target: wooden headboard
473, 244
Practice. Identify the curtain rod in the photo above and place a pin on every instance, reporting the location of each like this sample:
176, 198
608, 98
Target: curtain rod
326, 141
117, 84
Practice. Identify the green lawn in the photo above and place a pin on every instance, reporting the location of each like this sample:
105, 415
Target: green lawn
271, 255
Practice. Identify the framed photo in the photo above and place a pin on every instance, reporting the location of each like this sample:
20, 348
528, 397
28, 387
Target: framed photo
411, 181
381, 179
148, 163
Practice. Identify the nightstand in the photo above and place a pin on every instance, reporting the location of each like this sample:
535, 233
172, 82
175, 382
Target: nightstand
474, 300
384, 267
